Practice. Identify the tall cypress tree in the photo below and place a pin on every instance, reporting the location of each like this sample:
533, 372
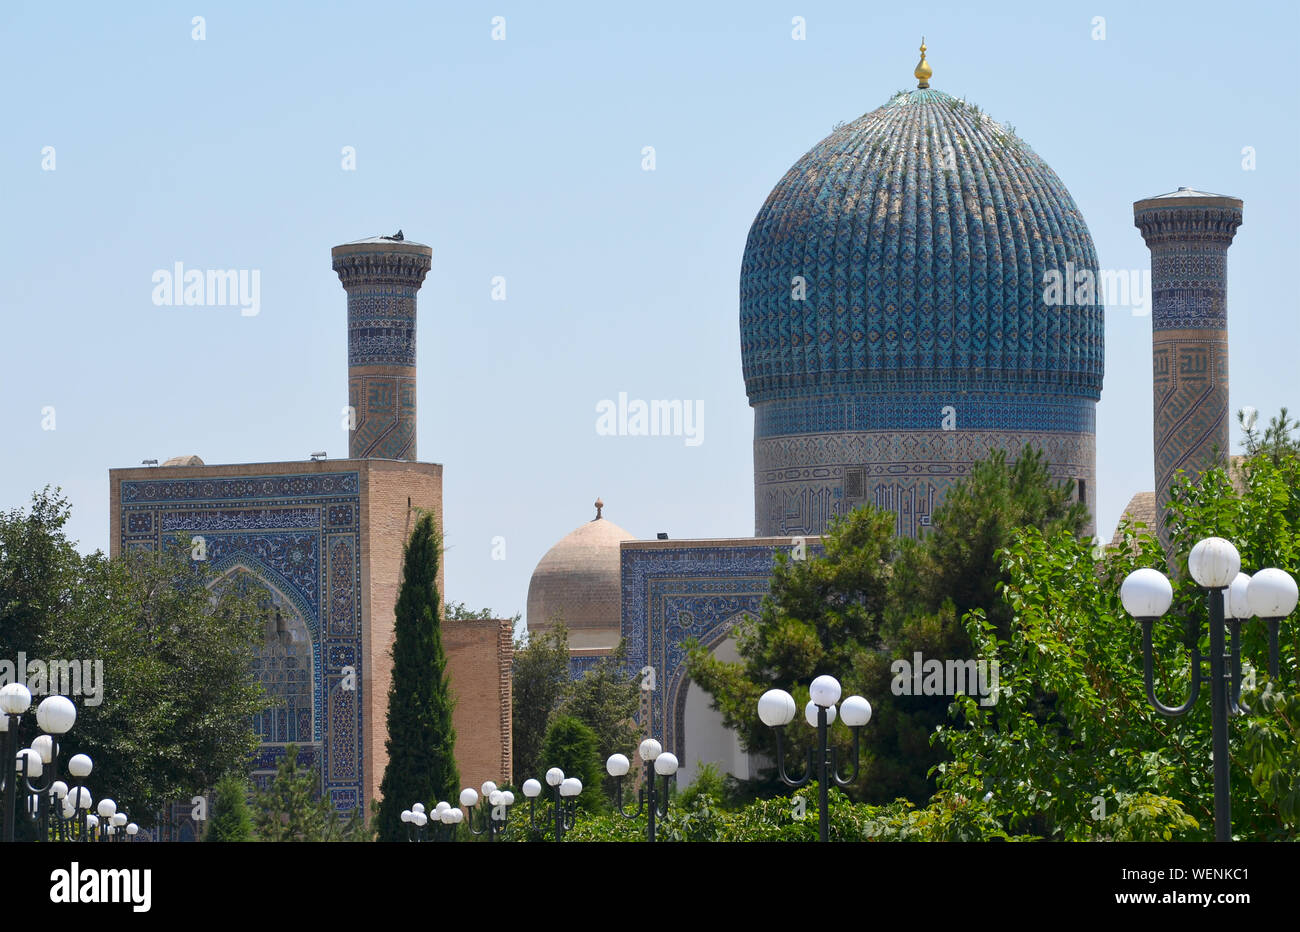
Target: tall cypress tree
421, 739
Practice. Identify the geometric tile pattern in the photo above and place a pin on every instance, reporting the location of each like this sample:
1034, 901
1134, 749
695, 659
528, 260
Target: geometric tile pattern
385, 416
921, 411
297, 535
1188, 234
802, 481
701, 590
381, 326
899, 269
922, 233
381, 277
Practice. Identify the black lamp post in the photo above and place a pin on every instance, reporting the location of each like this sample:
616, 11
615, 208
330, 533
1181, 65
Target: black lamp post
416, 820
776, 708
652, 799
438, 825
15, 699
1233, 597
54, 716
496, 809
564, 800
75, 802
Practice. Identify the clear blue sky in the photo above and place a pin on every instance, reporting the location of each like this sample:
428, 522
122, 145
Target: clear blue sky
522, 158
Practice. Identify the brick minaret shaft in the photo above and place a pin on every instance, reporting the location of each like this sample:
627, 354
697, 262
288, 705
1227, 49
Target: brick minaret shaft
381, 276
1188, 233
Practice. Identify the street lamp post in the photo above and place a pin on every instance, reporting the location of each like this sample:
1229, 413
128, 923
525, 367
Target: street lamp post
1232, 598
564, 800
54, 716
76, 804
108, 813
416, 819
438, 825
651, 799
447, 818
496, 809
776, 708
15, 699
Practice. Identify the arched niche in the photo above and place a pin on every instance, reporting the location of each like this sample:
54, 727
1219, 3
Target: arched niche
285, 661
705, 739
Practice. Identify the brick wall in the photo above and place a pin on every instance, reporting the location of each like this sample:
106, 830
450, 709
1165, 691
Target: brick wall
391, 493
479, 656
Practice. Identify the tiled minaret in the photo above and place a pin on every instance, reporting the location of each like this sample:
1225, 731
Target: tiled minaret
381, 276
1188, 233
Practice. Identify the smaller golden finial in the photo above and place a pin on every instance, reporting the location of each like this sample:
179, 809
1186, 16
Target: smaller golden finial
923, 71
599, 506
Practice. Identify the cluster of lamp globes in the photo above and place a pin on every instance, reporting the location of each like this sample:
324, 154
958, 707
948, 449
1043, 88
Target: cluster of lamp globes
1214, 563
651, 752
568, 786
448, 814
55, 716
444, 812
776, 707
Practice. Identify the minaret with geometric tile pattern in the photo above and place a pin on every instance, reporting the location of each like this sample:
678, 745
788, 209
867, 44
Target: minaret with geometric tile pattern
381, 276
1188, 233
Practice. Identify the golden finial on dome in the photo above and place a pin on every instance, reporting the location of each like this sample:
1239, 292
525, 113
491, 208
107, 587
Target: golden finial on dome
923, 71
599, 506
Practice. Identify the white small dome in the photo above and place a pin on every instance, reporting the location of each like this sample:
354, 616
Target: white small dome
579, 582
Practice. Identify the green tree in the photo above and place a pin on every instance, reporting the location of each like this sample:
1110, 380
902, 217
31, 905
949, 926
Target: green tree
540, 673
871, 600
606, 699
1103, 764
231, 819
291, 808
571, 746
457, 611
39, 570
955, 568
1277, 440
173, 709
823, 615
952, 570
421, 740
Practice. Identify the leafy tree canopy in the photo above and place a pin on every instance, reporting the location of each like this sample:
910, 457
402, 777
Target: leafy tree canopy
1103, 764
872, 599
174, 708
605, 699
541, 680
291, 808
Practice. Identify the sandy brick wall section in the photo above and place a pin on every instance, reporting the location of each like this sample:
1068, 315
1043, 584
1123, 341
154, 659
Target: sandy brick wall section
479, 653
393, 493
479, 656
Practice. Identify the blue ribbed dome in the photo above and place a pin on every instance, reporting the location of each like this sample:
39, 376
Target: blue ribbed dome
922, 233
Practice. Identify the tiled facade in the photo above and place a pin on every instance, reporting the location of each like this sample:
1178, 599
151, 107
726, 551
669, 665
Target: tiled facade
675, 590
1188, 233
297, 531
381, 277
326, 539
